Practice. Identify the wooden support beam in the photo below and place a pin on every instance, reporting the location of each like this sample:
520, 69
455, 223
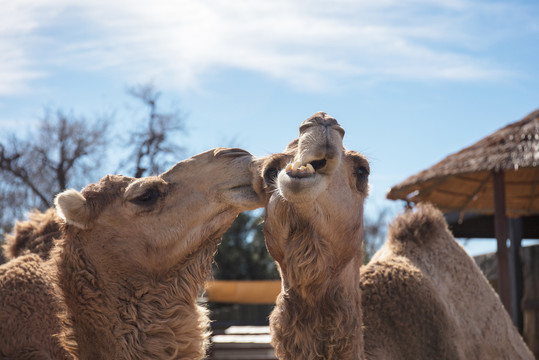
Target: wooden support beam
515, 270
501, 231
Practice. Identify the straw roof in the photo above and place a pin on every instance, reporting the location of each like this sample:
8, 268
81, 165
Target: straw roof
463, 180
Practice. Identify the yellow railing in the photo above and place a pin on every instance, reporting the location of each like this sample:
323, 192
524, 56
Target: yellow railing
243, 292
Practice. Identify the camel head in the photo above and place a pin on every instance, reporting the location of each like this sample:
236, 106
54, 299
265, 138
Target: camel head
157, 221
314, 193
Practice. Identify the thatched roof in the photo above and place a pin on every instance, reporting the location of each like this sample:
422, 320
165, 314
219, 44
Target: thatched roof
462, 181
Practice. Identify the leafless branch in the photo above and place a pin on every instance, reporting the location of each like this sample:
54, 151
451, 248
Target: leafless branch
151, 143
63, 150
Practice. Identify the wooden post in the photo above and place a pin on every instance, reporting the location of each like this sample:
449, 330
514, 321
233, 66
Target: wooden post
515, 270
530, 303
501, 231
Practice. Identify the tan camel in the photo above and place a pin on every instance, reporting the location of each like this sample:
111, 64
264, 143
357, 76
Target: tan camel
132, 258
423, 297
315, 191
414, 295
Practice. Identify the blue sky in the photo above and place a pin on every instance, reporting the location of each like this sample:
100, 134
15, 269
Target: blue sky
411, 81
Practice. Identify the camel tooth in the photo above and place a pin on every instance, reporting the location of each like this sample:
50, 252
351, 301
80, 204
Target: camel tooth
296, 167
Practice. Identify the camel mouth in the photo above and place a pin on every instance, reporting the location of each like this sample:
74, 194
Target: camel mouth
301, 183
241, 187
318, 164
300, 171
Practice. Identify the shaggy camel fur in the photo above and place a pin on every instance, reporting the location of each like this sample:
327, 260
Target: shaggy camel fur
28, 310
24, 332
315, 191
33, 236
134, 254
423, 297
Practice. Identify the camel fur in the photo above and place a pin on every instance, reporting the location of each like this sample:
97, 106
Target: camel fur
33, 236
134, 255
28, 310
424, 297
313, 227
29, 318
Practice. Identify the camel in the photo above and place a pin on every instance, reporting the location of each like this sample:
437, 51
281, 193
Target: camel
424, 297
399, 306
132, 257
313, 227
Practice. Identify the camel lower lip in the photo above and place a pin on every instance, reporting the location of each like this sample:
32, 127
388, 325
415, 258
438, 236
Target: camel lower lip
297, 175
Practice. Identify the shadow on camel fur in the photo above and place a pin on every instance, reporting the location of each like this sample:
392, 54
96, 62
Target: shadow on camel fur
123, 278
421, 297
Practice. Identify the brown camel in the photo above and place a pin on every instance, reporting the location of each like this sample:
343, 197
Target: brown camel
423, 297
131, 260
414, 295
315, 191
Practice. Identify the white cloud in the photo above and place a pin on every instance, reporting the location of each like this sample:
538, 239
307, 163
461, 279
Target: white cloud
15, 69
301, 42
18, 19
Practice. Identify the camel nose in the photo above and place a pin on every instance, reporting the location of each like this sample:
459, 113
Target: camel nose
321, 119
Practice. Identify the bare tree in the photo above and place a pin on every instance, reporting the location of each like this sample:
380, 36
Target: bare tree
63, 150
153, 150
66, 151
375, 232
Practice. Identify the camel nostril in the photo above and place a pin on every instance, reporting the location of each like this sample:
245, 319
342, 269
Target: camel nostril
318, 164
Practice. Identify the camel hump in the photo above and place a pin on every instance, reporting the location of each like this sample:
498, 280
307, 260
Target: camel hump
35, 235
422, 225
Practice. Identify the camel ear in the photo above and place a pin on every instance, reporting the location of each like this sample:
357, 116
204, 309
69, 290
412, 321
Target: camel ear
72, 207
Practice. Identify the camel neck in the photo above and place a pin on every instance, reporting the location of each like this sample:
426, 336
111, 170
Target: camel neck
323, 321
110, 317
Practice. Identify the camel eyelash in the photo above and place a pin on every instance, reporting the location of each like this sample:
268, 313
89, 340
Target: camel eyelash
147, 198
361, 171
270, 175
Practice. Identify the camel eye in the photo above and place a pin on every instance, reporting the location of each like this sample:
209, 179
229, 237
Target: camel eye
270, 175
361, 172
148, 197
